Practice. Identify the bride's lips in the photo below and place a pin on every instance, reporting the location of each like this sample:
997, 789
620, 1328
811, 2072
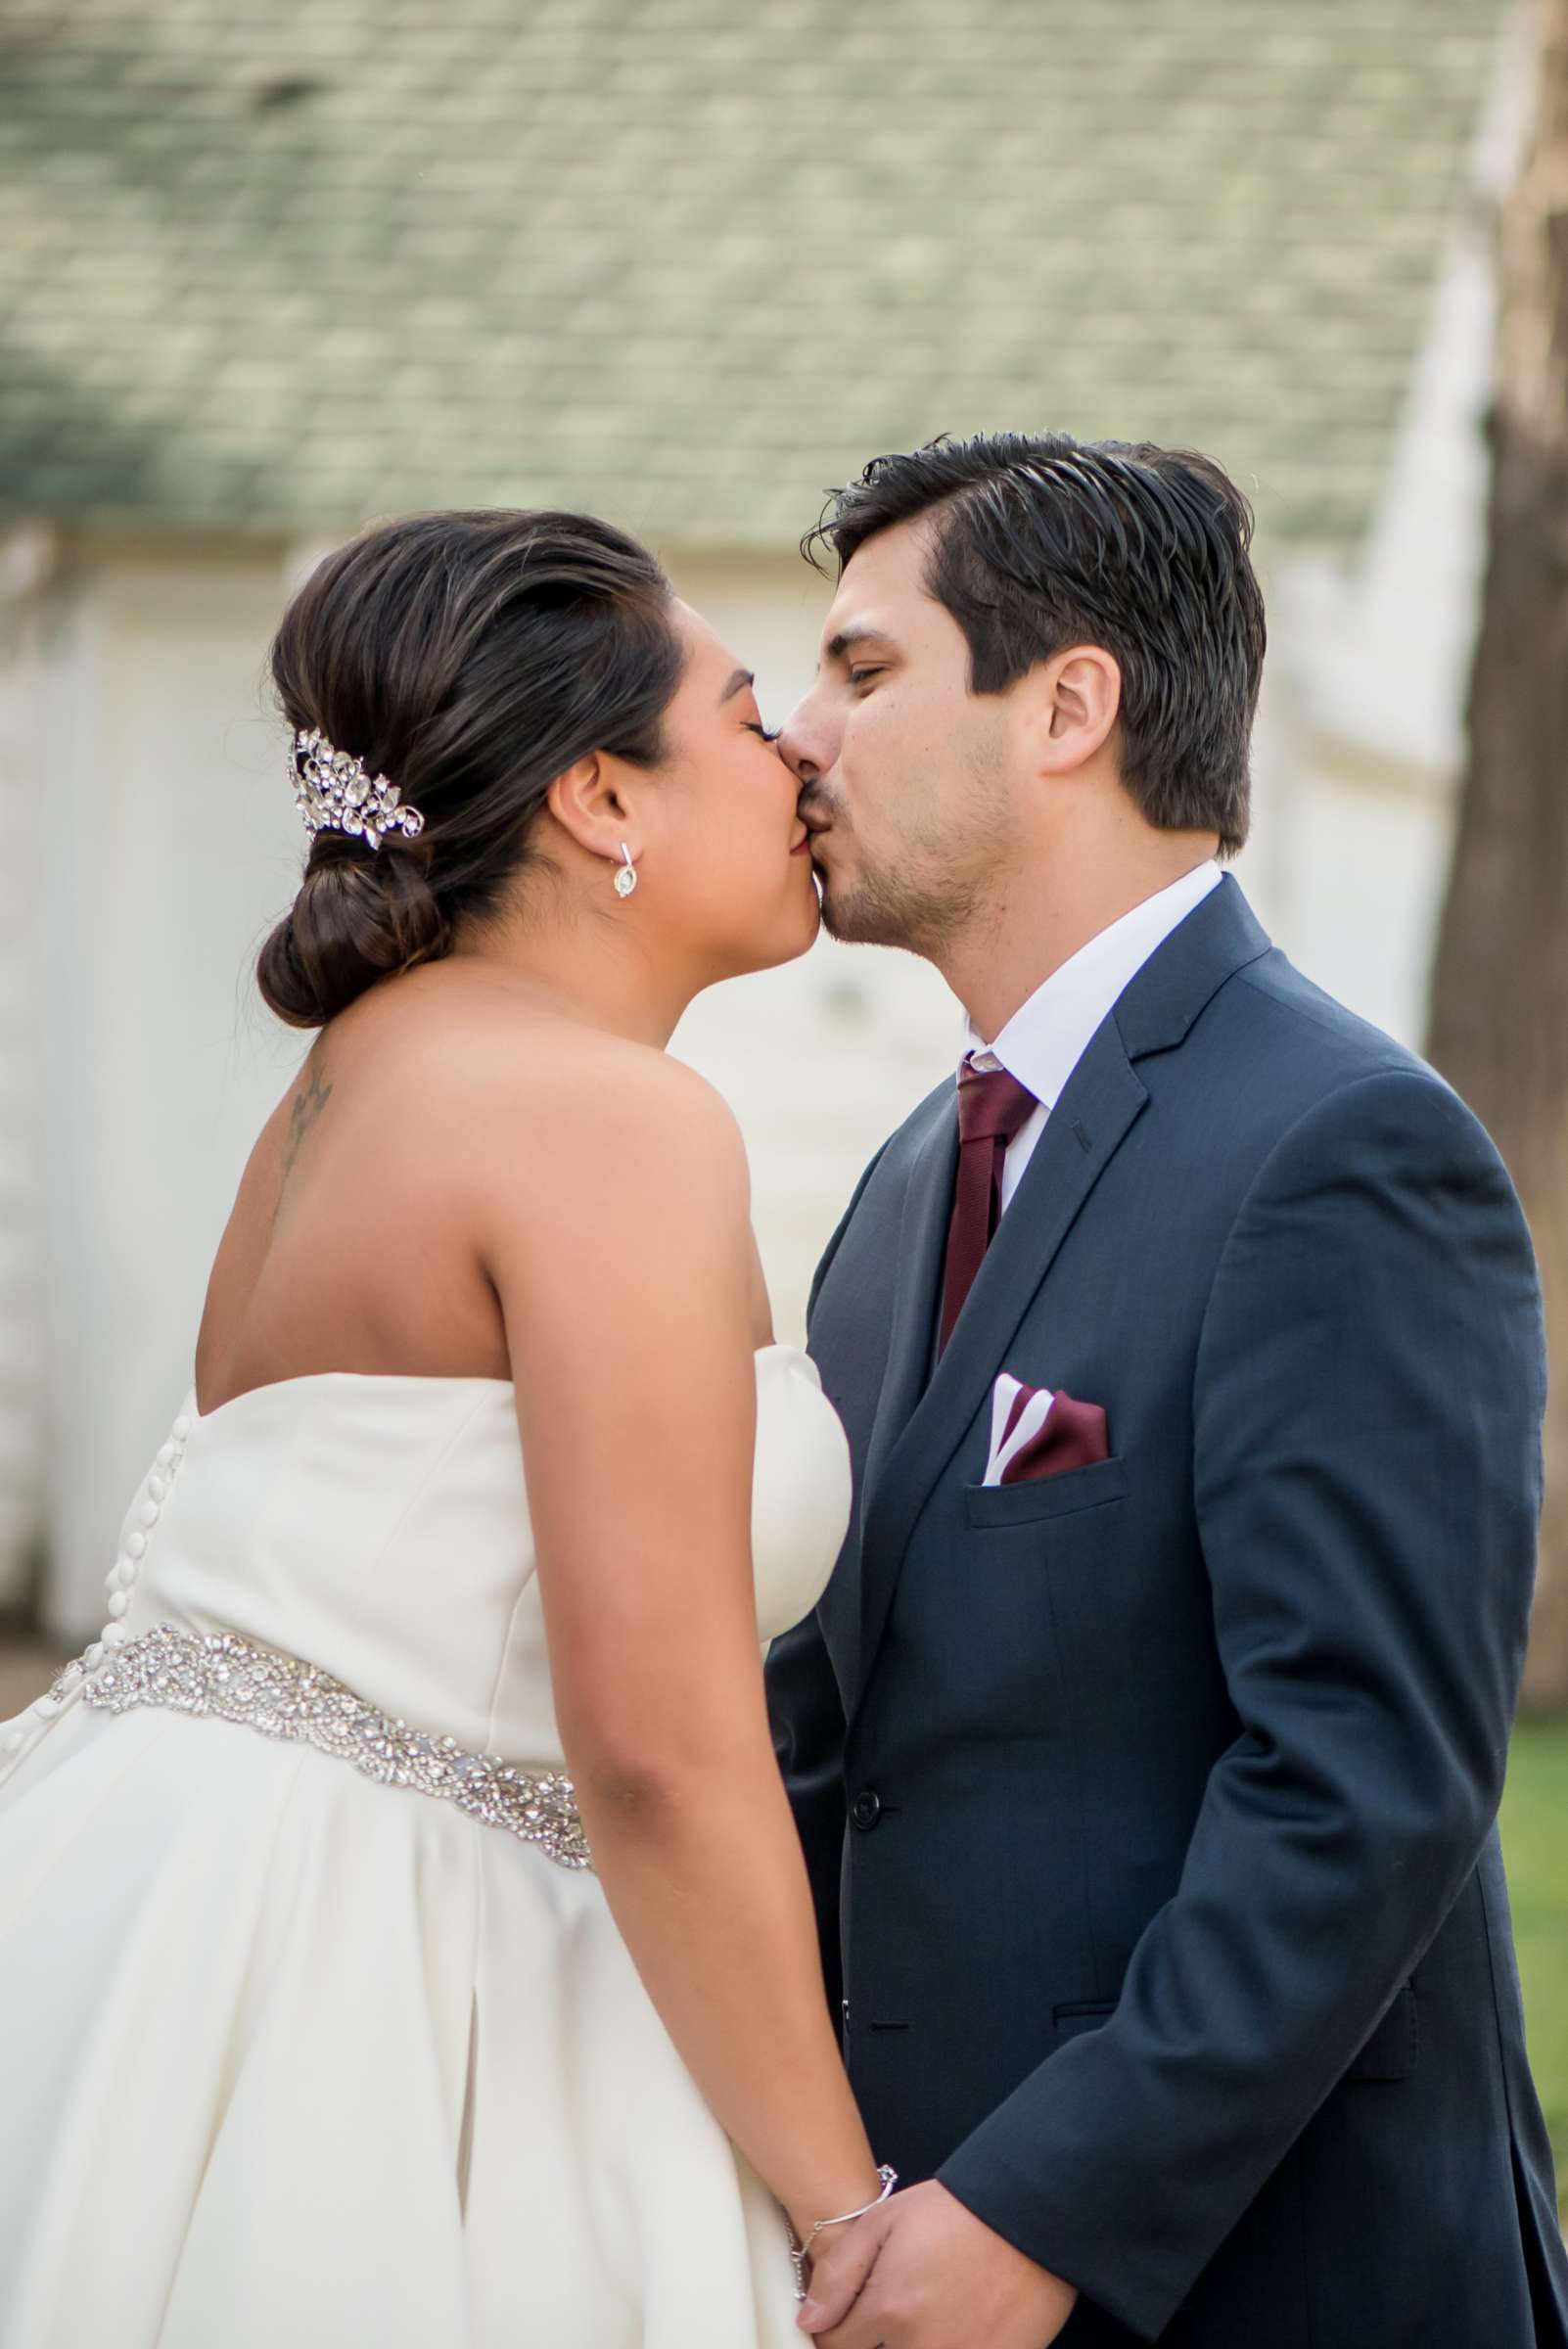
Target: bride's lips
803, 846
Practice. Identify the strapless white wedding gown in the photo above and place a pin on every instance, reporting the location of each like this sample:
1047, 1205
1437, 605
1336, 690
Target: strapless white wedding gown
294, 2055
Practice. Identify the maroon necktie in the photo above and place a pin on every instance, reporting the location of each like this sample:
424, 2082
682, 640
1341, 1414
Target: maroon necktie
991, 1107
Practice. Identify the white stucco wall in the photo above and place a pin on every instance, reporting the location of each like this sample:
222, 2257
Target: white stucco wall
27, 563
172, 839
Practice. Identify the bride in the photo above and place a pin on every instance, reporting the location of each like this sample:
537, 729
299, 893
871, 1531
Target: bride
403, 1934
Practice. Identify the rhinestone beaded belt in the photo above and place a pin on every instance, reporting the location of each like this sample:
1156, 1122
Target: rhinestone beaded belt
218, 1673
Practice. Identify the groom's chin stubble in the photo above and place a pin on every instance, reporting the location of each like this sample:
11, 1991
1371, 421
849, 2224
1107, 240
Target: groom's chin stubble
870, 915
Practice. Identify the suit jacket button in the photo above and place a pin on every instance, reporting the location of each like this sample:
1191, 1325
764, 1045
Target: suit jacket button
867, 1808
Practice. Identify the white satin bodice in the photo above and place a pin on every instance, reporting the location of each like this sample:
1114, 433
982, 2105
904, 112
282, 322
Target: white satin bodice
402, 2076
377, 1525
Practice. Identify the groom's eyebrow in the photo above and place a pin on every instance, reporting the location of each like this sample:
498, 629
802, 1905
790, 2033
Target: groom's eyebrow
737, 684
839, 647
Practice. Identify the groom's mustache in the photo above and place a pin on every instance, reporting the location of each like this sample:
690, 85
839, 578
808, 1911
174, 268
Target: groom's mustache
815, 811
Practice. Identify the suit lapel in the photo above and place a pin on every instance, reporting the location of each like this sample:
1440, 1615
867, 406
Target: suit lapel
922, 1247
918, 1426
916, 1434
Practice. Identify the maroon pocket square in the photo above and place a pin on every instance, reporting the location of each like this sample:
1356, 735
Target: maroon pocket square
1038, 1431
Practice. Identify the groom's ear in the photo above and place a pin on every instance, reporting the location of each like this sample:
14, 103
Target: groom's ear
1076, 698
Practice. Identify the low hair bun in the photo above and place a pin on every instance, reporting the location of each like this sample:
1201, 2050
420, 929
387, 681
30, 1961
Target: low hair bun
470, 658
360, 914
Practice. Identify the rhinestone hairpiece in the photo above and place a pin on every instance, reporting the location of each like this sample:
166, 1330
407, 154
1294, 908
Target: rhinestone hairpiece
334, 793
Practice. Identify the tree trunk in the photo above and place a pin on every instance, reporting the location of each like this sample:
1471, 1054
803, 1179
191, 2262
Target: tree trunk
1499, 1011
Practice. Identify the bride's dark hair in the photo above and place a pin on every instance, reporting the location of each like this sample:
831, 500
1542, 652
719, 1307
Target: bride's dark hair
470, 658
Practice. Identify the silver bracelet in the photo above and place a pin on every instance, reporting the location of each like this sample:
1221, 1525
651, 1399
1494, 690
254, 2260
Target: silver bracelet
799, 2252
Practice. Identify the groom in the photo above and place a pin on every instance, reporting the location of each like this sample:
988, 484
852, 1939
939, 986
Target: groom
1147, 1743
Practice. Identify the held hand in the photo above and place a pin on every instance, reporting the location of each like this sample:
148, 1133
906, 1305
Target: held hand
921, 2272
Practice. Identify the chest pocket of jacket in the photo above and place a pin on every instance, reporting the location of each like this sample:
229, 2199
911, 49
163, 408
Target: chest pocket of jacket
1074, 1489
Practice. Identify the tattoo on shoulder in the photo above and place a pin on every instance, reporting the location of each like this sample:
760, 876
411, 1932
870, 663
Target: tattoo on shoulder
308, 1103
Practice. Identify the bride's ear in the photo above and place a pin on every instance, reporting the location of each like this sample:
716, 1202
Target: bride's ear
589, 801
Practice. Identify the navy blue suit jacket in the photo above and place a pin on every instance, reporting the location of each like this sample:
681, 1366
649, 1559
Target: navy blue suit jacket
1151, 1808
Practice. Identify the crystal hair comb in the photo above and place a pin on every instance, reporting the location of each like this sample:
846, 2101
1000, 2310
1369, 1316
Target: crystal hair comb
334, 793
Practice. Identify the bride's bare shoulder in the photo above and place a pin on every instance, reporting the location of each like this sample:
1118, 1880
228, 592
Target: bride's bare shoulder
510, 1097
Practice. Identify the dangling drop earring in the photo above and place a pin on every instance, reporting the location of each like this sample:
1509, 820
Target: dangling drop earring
626, 878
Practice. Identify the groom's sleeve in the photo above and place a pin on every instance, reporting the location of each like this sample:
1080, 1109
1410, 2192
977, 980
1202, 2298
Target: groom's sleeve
807, 1721
1369, 1392
807, 1714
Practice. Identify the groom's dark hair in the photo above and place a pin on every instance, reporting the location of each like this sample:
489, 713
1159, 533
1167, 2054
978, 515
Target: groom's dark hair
1039, 541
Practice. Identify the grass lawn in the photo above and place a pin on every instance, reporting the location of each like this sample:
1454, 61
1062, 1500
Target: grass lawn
1535, 1847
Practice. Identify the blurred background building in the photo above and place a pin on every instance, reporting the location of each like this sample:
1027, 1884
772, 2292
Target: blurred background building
266, 274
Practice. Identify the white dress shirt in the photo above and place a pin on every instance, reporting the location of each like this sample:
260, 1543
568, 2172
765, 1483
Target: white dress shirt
1045, 1039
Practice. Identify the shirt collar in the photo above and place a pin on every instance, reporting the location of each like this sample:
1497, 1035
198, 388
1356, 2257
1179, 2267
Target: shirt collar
1043, 1042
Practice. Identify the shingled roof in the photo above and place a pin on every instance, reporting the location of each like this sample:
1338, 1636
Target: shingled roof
688, 261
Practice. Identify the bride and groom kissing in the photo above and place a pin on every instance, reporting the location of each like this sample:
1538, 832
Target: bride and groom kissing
1086, 1921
